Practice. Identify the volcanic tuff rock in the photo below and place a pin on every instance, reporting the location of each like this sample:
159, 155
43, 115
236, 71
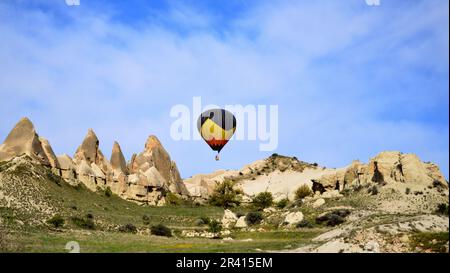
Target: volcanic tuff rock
117, 159
152, 175
23, 139
390, 171
155, 155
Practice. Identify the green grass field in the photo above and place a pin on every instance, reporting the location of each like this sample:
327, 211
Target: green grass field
100, 241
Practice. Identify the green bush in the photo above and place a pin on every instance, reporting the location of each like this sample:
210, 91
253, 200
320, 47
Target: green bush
215, 226
56, 221
108, 192
253, 218
263, 200
172, 199
282, 203
161, 230
128, 228
333, 218
86, 223
302, 192
225, 195
304, 224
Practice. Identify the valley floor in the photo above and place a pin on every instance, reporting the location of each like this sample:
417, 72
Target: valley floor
100, 241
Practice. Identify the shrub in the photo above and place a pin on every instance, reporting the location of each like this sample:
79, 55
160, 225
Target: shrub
373, 190
225, 195
108, 192
86, 223
56, 221
202, 221
282, 203
263, 200
173, 199
128, 228
304, 224
253, 218
407, 191
161, 230
145, 219
442, 209
239, 214
333, 218
302, 192
342, 212
90, 216
215, 226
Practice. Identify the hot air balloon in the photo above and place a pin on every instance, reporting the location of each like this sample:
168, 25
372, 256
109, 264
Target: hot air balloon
216, 126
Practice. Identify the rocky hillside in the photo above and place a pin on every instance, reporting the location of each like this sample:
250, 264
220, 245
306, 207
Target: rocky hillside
393, 203
147, 178
387, 172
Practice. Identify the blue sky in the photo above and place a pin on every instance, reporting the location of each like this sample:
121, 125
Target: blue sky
350, 80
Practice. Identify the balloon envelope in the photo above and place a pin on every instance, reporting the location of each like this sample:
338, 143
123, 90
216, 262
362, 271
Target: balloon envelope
216, 126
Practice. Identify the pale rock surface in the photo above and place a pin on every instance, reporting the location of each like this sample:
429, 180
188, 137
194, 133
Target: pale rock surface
241, 223
293, 218
229, 218
319, 202
117, 160
390, 169
154, 155
23, 139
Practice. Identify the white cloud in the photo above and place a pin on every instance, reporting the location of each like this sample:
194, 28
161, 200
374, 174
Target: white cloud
325, 65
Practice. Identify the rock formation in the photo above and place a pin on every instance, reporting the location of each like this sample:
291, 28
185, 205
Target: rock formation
282, 175
154, 155
67, 169
118, 162
23, 139
386, 168
93, 169
146, 179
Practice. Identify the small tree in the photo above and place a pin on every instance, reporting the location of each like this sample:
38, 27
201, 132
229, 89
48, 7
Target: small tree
263, 200
225, 195
302, 192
